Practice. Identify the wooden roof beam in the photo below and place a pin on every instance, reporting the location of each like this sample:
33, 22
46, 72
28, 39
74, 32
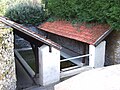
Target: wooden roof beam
28, 34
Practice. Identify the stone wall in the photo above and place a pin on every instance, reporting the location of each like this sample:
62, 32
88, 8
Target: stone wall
113, 48
7, 61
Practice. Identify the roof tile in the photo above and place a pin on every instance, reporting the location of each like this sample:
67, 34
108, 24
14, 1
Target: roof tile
84, 33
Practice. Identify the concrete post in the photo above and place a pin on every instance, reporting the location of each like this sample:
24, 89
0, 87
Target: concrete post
92, 56
97, 57
49, 65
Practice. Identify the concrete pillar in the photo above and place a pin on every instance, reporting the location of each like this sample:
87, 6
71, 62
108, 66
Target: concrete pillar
49, 65
97, 57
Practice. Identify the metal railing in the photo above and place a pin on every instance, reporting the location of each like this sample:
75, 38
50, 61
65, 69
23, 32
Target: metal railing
75, 57
73, 70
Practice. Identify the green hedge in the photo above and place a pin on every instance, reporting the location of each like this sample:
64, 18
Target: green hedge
102, 11
26, 13
62, 8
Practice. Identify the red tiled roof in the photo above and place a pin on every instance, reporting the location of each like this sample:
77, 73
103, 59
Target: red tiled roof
83, 33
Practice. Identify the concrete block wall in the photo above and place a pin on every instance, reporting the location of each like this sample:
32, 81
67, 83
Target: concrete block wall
7, 61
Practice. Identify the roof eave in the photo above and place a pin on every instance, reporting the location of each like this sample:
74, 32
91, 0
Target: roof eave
26, 31
102, 37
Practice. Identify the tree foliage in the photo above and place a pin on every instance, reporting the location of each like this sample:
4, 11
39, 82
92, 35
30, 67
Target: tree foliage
22, 11
26, 13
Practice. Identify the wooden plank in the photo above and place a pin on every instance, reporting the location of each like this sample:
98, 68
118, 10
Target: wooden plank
27, 68
23, 49
70, 68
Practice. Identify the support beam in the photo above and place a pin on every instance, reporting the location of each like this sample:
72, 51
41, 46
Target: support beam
24, 49
35, 51
29, 35
27, 68
36, 60
66, 53
84, 52
97, 55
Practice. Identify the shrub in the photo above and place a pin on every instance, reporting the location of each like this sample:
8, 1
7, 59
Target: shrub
101, 11
26, 13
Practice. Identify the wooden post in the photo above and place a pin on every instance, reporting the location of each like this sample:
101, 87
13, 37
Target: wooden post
36, 54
